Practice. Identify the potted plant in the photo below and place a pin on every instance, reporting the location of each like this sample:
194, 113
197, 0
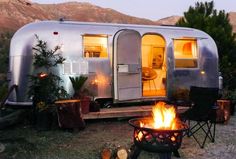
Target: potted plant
226, 105
45, 86
79, 93
77, 83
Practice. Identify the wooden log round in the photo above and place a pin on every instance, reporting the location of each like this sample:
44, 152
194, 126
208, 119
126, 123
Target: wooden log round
69, 114
122, 153
106, 153
223, 112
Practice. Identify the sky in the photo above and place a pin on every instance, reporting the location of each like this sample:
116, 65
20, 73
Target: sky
151, 9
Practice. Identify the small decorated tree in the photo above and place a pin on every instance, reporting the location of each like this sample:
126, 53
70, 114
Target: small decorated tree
45, 86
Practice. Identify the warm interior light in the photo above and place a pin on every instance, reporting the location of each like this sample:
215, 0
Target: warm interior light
95, 46
185, 53
185, 49
153, 47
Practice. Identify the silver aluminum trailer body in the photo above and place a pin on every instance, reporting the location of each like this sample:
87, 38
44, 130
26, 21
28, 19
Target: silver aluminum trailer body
118, 75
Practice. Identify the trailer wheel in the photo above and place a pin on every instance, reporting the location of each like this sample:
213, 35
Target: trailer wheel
105, 103
108, 104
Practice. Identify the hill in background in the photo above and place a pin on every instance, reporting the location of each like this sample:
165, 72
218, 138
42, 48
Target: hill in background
232, 18
16, 13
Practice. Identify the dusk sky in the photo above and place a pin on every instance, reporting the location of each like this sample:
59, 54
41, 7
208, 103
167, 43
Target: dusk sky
151, 9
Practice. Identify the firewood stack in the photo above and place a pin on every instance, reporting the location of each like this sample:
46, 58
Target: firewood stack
120, 153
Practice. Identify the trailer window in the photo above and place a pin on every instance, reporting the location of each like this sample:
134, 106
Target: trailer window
185, 53
95, 46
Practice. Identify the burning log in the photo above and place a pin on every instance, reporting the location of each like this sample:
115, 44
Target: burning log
161, 133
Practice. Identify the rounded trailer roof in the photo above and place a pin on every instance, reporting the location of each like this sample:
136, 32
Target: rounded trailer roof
26, 33
43, 25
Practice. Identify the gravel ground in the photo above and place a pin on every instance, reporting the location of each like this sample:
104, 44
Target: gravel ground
224, 146
25, 142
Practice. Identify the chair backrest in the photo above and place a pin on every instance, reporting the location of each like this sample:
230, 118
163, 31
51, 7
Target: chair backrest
203, 99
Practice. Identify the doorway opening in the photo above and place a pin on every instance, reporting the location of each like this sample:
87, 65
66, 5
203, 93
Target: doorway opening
153, 65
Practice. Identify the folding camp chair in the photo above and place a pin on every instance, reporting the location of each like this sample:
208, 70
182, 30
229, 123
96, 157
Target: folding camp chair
202, 112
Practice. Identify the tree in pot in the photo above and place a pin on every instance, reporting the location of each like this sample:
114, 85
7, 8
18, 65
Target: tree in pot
45, 86
77, 83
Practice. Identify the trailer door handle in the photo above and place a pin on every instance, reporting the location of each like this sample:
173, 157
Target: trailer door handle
129, 68
122, 68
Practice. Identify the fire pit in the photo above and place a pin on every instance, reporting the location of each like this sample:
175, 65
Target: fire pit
161, 133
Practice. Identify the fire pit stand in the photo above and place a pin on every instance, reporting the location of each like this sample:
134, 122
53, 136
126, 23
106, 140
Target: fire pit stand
163, 142
135, 152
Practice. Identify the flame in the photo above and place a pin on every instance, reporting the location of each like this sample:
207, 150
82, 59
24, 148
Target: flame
42, 75
141, 124
140, 135
163, 116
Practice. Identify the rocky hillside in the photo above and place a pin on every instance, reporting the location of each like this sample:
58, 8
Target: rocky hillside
232, 18
16, 13
168, 20
173, 19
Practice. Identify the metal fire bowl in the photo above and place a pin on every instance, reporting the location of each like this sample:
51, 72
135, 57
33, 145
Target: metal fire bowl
156, 140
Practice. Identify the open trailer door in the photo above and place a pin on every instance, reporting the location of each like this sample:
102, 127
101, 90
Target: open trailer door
127, 65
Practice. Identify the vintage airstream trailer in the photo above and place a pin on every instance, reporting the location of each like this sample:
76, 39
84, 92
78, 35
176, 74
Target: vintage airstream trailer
123, 62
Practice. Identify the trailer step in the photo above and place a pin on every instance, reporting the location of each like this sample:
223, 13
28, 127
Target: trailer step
132, 111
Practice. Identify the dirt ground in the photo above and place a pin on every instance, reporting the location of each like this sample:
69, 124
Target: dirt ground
25, 142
